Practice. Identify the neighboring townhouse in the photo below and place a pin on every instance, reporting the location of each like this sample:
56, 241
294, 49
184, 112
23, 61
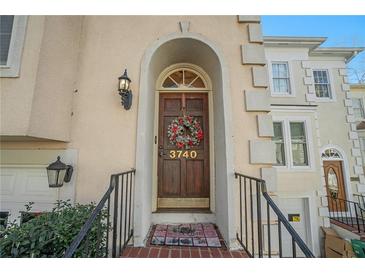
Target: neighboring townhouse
314, 117
204, 105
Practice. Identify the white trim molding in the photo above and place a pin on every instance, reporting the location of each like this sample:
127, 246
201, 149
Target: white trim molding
12, 67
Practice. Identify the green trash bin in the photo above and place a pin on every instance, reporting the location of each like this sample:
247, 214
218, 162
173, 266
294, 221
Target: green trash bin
359, 248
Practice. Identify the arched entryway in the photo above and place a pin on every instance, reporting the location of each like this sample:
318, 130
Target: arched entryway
202, 53
184, 155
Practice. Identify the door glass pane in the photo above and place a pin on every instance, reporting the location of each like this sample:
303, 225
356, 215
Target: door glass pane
332, 183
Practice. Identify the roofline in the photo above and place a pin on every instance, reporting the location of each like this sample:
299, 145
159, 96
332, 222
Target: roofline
347, 52
313, 44
357, 86
294, 41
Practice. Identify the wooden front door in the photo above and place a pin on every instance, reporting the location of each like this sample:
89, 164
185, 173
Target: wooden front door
335, 185
183, 173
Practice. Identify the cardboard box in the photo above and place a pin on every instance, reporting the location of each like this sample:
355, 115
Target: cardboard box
332, 254
335, 246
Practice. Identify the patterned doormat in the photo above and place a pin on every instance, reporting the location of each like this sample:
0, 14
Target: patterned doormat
198, 235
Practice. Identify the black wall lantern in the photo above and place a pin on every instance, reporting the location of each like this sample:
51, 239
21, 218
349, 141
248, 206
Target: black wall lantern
58, 173
125, 90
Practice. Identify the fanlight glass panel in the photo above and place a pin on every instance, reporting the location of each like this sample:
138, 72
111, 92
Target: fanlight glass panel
183, 79
332, 182
331, 153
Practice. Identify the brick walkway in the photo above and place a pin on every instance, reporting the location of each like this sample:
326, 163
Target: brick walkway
154, 251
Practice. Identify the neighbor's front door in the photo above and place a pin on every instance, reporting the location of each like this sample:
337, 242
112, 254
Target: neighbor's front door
183, 173
335, 185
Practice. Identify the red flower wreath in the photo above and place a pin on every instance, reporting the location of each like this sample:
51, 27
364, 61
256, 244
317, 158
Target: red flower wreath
185, 132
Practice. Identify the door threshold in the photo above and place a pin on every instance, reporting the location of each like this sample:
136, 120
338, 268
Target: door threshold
173, 216
183, 210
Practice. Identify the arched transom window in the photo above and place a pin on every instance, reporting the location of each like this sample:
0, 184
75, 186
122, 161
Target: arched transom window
331, 154
184, 78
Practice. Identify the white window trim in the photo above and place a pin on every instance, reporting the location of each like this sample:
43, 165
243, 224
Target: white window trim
332, 86
285, 120
290, 71
12, 67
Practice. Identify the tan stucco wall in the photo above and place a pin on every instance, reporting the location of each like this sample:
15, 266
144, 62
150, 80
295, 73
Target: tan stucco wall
17, 93
102, 131
38, 103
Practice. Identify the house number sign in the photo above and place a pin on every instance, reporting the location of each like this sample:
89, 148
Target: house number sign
176, 154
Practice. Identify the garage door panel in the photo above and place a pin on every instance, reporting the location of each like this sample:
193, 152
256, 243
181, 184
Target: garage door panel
7, 184
37, 184
24, 185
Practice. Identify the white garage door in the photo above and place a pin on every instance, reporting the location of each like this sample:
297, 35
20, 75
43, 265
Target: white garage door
21, 185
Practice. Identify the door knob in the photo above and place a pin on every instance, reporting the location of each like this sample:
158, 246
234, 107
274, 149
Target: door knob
161, 153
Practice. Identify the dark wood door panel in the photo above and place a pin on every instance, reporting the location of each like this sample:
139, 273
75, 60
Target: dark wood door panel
334, 176
171, 178
183, 177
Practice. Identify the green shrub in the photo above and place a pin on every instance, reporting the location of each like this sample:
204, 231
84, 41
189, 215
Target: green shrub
51, 233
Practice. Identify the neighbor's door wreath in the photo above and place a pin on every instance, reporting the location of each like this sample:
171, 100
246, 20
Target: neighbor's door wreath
185, 132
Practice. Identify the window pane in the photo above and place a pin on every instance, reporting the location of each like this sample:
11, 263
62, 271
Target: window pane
177, 76
6, 27
300, 157
298, 144
280, 78
3, 218
358, 109
198, 83
168, 83
279, 142
189, 77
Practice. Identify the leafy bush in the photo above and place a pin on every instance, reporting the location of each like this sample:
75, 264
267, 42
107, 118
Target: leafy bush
51, 233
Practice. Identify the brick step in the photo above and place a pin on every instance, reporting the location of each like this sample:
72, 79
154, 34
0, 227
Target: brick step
181, 252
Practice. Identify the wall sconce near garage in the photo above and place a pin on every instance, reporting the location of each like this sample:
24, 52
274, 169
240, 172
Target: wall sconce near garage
125, 90
58, 173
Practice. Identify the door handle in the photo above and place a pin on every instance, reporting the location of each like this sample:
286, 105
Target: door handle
161, 153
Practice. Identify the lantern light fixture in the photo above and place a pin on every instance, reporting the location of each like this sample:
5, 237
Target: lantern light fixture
125, 90
58, 172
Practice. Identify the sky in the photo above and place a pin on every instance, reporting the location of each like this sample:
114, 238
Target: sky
341, 31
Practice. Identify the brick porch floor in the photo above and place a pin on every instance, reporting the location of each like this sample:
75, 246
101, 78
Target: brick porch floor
154, 251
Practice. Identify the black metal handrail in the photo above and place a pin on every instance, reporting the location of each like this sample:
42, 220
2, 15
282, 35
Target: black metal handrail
114, 213
252, 236
347, 212
360, 199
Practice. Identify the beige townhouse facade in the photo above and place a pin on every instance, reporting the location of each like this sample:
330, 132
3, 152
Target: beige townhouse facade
270, 107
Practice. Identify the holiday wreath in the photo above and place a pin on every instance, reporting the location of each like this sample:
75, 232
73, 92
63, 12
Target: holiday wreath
185, 132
